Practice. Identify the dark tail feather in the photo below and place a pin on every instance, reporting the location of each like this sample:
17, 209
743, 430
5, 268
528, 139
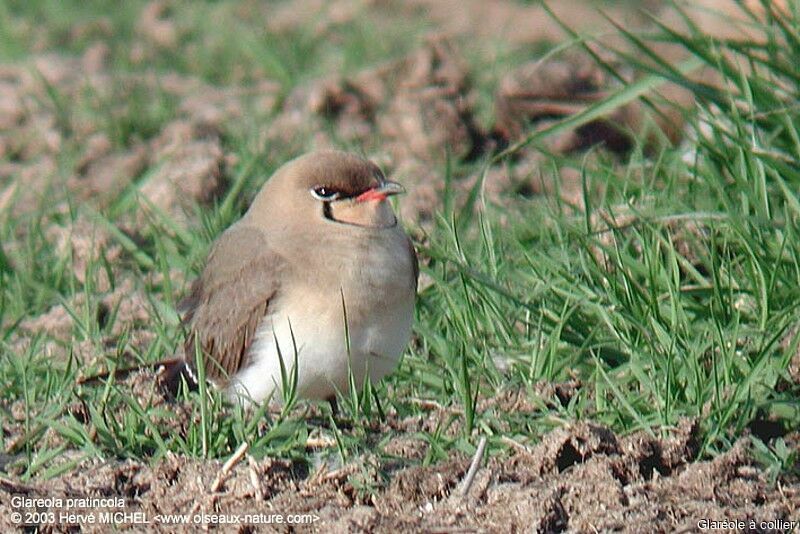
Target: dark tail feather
171, 373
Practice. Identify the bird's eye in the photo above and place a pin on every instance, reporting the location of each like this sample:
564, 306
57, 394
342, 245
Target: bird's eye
324, 193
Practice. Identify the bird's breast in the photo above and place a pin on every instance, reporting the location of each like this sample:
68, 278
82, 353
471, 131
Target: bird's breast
352, 315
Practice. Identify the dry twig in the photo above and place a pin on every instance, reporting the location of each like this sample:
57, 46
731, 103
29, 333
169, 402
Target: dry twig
223, 473
473, 467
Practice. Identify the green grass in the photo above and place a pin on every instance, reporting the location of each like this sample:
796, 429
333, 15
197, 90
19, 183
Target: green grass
668, 297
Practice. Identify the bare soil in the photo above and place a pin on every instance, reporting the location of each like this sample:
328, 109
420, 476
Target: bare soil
579, 478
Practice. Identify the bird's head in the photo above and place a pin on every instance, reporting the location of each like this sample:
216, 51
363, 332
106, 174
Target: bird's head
328, 187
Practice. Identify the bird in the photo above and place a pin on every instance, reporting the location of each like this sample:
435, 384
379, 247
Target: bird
317, 281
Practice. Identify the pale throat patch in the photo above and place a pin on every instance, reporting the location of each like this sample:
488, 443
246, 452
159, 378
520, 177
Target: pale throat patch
371, 213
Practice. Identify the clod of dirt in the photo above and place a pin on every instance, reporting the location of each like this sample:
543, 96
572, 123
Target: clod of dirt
30, 188
645, 456
446, 420
56, 322
565, 447
129, 307
99, 27
97, 146
189, 168
406, 447
39, 138
156, 27
681, 445
126, 306
352, 104
414, 487
431, 111
537, 94
101, 178
86, 244
95, 58
287, 17
11, 106
562, 392
510, 21
507, 401
54, 69
213, 108
698, 492
424, 102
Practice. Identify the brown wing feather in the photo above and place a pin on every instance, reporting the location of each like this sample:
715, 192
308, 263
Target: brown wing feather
230, 299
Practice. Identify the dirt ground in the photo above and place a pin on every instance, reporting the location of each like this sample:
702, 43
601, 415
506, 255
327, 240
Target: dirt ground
580, 478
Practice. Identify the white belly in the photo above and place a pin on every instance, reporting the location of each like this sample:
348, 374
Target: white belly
312, 327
